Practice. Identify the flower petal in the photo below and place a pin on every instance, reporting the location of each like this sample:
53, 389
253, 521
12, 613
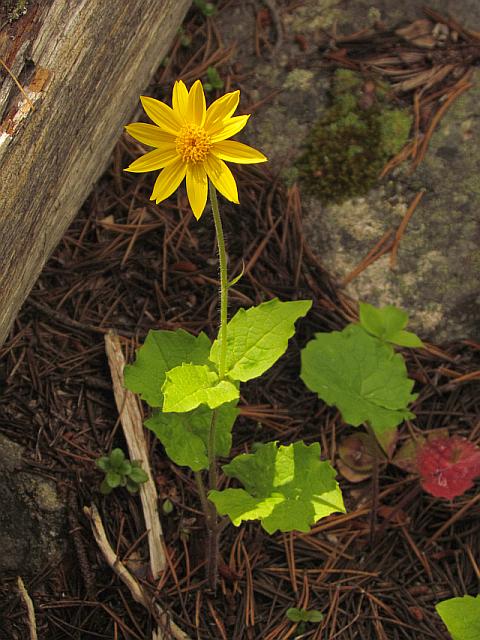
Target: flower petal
180, 99
237, 152
224, 129
222, 108
197, 188
149, 134
168, 180
161, 114
197, 107
222, 178
154, 160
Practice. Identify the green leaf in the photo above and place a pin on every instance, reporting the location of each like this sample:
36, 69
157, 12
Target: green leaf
190, 385
162, 351
103, 463
105, 488
360, 375
405, 339
387, 324
113, 479
286, 488
138, 475
461, 617
257, 337
116, 458
185, 435
132, 486
295, 615
125, 468
314, 615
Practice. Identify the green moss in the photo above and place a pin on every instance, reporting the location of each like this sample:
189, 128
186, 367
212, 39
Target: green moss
348, 147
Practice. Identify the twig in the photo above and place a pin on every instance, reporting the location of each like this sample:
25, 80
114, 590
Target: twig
132, 424
32, 625
435, 120
382, 246
403, 225
12, 75
138, 594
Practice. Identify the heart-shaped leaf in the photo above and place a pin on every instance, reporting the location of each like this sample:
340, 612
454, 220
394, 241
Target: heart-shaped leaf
287, 488
360, 375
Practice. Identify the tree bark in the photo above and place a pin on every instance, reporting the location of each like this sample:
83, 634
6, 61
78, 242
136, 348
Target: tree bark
82, 65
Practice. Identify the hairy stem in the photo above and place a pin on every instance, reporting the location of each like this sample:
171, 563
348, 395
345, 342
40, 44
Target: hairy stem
222, 257
212, 520
203, 495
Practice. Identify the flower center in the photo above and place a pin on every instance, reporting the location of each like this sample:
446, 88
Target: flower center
193, 143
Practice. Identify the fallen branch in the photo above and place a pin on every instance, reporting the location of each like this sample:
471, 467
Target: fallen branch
32, 625
136, 590
133, 429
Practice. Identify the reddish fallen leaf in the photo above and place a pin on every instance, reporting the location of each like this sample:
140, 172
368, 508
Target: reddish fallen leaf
448, 466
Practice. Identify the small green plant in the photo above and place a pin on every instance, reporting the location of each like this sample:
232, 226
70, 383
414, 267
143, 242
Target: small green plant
184, 38
207, 8
461, 617
304, 616
359, 372
120, 472
214, 80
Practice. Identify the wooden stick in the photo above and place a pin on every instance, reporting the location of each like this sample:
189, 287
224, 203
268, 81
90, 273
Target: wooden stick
138, 594
132, 424
32, 625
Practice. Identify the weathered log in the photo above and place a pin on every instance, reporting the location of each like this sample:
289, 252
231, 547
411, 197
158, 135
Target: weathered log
82, 65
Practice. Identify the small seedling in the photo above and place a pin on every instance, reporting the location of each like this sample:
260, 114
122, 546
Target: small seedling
303, 616
184, 38
207, 8
461, 617
214, 82
120, 472
167, 507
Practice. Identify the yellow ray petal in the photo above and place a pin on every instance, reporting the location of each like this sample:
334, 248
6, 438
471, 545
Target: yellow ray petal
149, 134
197, 188
161, 114
222, 178
154, 160
222, 108
197, 107
180, 99
168, 180
237, 152
227, 128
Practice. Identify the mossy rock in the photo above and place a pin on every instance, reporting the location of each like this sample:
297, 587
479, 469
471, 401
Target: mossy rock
354, 138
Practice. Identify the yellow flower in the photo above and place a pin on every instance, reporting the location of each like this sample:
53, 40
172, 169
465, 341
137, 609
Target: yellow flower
191, 140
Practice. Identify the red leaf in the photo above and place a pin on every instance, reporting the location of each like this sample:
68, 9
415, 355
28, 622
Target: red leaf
448, 466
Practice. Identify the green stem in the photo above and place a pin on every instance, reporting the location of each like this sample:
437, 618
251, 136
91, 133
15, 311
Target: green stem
212, 520
222, 256
202, 495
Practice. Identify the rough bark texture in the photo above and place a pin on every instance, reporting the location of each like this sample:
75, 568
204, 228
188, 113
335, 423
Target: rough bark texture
82, 64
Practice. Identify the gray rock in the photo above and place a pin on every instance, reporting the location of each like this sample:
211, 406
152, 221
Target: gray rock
32, 518
436, 279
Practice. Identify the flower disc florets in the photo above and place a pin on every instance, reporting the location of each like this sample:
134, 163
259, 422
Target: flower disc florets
193, 143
